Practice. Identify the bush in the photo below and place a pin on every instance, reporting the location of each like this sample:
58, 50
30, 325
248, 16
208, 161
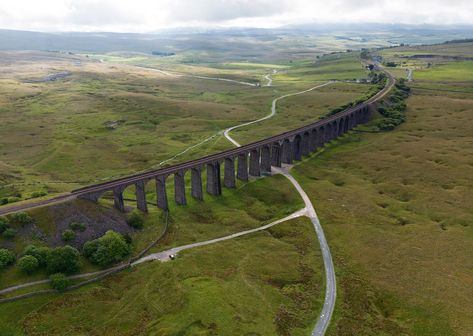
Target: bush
68, 235
28, 264
58, 281
9, 233
3, 224
77, 226
40, 253
135, 220
13, 199
7, 258
21, 218
37, 194
110, 248
63, 259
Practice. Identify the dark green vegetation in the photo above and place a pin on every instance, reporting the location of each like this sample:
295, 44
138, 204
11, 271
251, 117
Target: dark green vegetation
396, 208
393, 108
108, 249
7, 258
58, 281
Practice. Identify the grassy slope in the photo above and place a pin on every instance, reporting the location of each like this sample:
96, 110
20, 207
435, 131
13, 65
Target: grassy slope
397, 212
237, 287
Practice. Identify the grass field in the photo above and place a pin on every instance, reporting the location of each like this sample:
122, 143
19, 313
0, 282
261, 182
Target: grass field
105, 120
397, 212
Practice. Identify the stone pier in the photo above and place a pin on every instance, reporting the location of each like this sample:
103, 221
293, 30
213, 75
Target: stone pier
141, 196
287, 151
265, 159
196, 183
242, 172
229, 173
254, 162
276, 155
118, 202
161, 193
214, 186
180, 188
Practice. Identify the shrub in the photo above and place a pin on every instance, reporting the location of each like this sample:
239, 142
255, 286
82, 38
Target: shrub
110, 248
77, 226
37, 194
13, 199
21, 218
58, 281
68, 235
3, 200
40, 253
3, 224
135, 220
7, 258
63, 259
9, 233
28, 264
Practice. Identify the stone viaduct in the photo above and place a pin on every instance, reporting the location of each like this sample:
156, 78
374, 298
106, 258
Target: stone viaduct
254, 159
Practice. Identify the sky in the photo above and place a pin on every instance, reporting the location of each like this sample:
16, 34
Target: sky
155, 15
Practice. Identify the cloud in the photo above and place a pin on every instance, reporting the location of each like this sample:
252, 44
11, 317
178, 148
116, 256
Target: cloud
150, 15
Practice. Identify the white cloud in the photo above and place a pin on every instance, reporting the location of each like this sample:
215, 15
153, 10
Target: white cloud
149, 15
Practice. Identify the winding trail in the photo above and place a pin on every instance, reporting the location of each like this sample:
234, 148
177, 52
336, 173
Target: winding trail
309, 211
271, 114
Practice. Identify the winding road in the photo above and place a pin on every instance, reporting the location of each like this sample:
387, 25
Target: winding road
309, 211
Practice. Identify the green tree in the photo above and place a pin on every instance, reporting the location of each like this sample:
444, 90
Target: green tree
110, 248
58, 281
3, 224
68, 235
135, 220
40, 253
63, 260
7, 258
21, 218
28, 264
9, 233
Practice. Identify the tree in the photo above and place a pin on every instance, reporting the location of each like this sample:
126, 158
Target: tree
7, 258
9, 233
3, 224
40, 253
68, 235
28, 264
21, 218
135, 220
63, 259
58, 281
110, 248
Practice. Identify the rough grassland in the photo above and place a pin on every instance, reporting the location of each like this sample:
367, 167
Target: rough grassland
397, 212
240, 287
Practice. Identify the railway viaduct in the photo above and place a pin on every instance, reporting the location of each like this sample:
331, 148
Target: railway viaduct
254, 159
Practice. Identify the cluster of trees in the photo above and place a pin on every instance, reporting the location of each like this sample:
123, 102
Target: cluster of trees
377, 78
111, 248
394, 108
162, 53
18, 219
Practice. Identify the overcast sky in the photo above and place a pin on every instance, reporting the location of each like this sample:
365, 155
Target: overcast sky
152, 15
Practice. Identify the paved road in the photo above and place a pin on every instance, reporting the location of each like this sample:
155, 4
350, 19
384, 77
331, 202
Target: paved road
309, 211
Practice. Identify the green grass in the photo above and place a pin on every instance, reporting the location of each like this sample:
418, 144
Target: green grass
397, 213
236, 286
